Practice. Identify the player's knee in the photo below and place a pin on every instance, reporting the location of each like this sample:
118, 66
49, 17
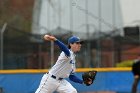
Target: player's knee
73, 90
70, 90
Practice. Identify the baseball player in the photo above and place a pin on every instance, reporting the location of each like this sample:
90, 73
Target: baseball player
64, 67
136, 73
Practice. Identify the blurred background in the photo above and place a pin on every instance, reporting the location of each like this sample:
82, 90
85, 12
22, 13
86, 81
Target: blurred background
110, 29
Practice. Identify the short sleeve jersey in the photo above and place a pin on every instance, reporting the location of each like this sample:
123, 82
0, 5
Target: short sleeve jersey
64, 66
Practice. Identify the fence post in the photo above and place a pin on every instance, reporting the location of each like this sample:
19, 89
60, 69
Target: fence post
1, 43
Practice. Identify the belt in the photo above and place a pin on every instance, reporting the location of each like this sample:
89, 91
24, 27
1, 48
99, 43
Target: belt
54, 77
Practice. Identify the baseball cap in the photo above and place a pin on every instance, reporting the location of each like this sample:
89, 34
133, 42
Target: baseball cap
74, 39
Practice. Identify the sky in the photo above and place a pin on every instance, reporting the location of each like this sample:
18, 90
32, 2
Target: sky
130, 12
74, 15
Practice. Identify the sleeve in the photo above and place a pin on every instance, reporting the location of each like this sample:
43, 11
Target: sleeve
75, 79
63, 47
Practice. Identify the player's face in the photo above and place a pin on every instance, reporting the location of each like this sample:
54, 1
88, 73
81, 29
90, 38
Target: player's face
75, 47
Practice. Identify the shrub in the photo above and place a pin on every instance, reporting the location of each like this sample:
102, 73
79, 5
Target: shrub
127, 63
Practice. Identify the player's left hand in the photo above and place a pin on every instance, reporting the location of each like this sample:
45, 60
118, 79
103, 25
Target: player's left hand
89, 77
89, 81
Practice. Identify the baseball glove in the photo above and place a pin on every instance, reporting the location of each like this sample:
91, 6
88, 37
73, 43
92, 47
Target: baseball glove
89, 77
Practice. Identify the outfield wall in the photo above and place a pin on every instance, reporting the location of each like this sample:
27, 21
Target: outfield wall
107, 79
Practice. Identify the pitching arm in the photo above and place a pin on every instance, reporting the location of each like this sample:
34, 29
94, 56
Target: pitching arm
59, 43
62, 47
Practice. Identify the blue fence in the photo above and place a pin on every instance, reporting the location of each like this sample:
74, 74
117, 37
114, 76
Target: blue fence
118, 81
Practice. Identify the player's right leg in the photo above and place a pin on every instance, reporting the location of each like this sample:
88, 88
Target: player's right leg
47, 85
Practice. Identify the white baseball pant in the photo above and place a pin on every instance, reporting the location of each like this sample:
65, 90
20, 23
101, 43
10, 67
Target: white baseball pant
49, 85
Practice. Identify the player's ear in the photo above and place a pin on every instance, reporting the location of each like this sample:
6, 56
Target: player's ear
69, 46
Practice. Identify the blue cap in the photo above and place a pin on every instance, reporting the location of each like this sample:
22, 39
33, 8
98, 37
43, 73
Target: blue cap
73, 39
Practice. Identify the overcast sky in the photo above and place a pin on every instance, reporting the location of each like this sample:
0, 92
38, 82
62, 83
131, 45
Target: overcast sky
103, 15
130, 12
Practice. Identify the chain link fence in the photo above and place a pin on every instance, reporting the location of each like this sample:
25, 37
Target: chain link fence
20, 51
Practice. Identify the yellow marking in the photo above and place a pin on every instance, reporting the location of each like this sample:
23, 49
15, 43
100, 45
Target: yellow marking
23, 71
104, 69
78, 70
